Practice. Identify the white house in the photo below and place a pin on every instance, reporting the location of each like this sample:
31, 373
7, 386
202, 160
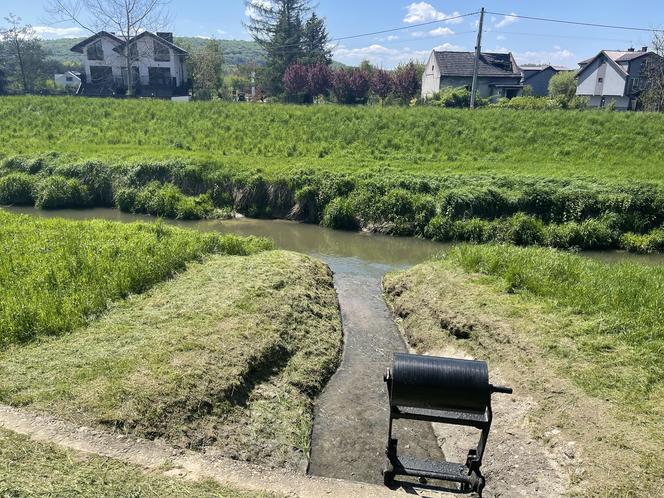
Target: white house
158, 65
70, 79
613, 76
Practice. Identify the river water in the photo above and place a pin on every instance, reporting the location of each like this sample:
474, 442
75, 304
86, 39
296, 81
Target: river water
350, 425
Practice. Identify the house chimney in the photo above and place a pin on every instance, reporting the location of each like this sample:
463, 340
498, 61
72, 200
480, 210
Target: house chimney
166, 36
630, 49
644, 49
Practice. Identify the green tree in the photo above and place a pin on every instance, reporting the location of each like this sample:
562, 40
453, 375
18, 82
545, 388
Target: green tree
23, 57
562, 85
206, 69
315, 42
277, 27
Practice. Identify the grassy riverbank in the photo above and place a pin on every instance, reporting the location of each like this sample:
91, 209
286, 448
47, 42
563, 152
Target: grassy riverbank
561, 179
56, 274
29, 468
227, 357
581, 338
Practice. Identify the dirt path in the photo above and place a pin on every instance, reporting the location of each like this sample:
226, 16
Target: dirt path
159, 457
351, 418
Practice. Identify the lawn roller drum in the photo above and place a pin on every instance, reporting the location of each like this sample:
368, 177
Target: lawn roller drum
444, 390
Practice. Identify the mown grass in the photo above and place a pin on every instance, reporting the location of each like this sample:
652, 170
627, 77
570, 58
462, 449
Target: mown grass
57, 274
29, 468
228, 354
539, 316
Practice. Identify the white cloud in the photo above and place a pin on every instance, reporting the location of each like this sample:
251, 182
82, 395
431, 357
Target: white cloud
442, 31
51, 32
450, 47
387, 57
425, 12
203, 37
558, 57
222, 32
506, 21
392, 38
500, 37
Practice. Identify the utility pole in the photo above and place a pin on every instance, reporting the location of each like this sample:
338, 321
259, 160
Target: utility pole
476, 66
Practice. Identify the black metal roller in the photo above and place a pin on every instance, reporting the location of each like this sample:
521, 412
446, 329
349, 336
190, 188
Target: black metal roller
439, 383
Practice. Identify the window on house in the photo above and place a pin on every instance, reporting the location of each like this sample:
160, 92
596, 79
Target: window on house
161, 52
69, 79
95, 51
160, 76
600, 80
101, 75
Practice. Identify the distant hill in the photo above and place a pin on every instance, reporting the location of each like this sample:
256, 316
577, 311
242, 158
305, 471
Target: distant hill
236, 52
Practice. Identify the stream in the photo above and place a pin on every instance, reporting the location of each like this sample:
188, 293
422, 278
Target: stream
351, 414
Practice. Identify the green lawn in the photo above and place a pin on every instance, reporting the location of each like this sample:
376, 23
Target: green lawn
56, 274
230, 354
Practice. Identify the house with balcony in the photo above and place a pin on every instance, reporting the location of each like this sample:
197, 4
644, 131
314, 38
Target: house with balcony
158, 66
614, 77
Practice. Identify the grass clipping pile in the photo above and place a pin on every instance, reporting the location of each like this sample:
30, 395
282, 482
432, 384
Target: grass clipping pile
590, 443
225, 358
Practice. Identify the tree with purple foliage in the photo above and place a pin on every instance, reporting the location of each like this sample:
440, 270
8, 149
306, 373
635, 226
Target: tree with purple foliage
341, 86
406, 79
381, 83
360, 84
296, 83
319, 79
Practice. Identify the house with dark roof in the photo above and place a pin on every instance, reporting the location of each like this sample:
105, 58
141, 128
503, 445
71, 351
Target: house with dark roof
158, 67
498, 74
537, 77
614, 77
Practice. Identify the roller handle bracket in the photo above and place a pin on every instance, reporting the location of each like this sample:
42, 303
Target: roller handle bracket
501, 389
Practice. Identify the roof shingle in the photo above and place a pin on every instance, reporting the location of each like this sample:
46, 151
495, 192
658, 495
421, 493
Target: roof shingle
462, 63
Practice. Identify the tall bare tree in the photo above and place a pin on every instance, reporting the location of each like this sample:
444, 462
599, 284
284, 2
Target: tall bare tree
652, 97
126, 18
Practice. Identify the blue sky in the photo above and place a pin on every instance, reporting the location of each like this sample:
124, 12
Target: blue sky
530, 41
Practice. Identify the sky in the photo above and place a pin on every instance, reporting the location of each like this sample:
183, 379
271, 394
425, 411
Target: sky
530, 41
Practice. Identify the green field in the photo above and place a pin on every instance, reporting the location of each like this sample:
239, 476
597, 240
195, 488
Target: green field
574, 179
56, 274
540, 315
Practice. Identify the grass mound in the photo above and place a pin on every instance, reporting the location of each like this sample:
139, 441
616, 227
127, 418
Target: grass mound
544, 316
229, 354
37, 469
55, 274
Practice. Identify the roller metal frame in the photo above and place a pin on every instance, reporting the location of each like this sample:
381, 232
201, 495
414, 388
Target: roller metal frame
468, 475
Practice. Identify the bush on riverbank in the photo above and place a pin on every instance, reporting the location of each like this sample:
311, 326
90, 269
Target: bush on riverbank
520, 210
56, 273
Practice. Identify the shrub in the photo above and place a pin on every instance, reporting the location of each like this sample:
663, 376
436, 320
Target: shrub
17, 188
125, 199
339, 214
523, 230
538, 103
194, 208
469, 201
647, 243
440, 228
96, 177
451, 97
59, 192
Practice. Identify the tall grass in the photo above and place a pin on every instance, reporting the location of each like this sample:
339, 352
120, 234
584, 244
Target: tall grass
274, 137
620, 307
55, 274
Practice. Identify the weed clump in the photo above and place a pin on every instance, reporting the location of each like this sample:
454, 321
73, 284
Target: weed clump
17, 188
